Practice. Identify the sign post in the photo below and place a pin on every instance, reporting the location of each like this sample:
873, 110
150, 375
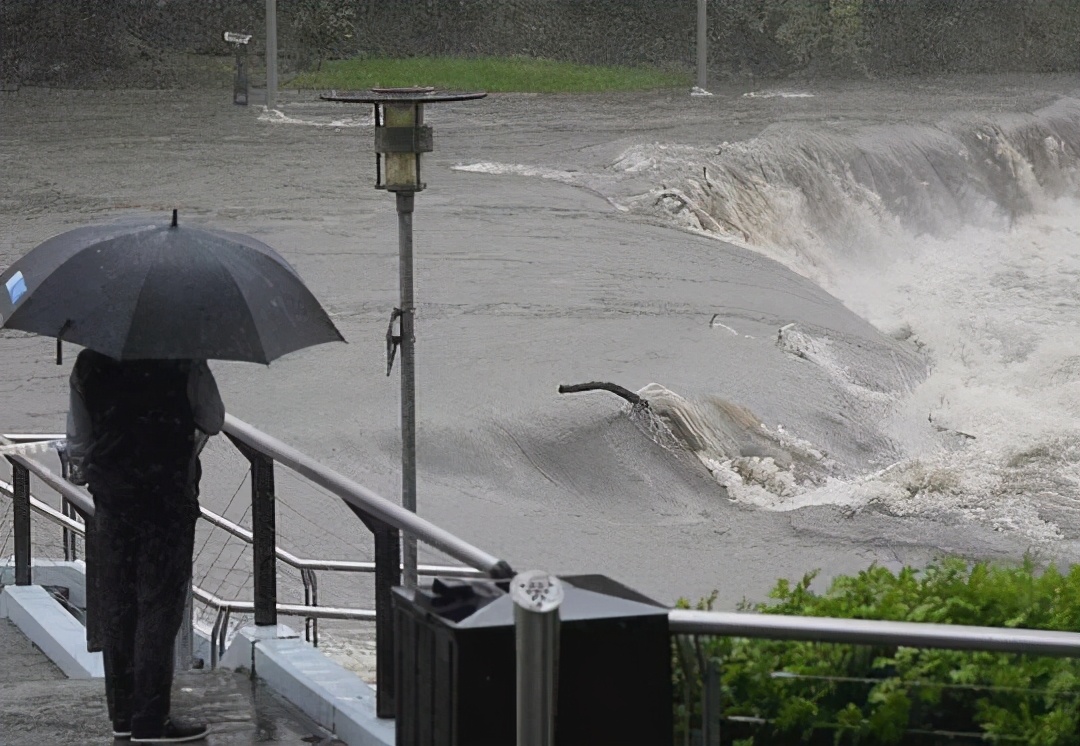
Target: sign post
240, 82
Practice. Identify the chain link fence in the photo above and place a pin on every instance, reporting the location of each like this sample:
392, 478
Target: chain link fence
171, 43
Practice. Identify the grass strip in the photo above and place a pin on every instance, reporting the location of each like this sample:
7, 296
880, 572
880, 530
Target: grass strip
494, 74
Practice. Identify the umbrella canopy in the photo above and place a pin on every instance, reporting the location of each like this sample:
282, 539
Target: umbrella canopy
144, 289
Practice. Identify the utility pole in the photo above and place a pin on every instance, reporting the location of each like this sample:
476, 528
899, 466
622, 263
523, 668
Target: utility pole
702, 44
271, 54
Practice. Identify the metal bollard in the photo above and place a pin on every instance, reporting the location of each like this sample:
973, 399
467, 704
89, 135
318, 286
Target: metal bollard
536, 596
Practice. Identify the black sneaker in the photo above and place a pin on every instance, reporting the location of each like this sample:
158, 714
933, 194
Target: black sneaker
175, 732
121, 731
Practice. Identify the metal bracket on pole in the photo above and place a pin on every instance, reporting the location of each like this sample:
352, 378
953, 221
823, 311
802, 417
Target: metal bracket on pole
393, 341
536, 596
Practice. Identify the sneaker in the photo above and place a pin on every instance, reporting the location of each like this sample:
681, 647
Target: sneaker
121, 730
175, 732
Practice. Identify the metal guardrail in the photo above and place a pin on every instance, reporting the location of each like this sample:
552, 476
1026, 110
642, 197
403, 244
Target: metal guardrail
684, 624
386, 521
310, 609
876, 632
308, 567
359, 498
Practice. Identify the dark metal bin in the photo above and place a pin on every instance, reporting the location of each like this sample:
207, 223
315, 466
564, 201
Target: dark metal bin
455, 661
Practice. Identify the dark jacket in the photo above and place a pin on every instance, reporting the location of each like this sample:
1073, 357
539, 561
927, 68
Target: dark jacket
140, 423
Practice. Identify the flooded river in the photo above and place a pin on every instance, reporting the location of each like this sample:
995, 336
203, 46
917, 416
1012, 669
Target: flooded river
853, 307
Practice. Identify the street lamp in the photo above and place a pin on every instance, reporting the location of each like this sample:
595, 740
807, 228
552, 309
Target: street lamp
400, 137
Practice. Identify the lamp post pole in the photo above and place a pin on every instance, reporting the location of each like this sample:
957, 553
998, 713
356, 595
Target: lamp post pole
408, 377
400, 137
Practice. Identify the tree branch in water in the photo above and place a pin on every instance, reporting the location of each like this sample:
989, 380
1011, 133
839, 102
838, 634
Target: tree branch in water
614, 388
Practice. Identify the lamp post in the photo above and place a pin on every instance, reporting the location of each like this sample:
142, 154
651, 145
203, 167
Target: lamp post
400, 138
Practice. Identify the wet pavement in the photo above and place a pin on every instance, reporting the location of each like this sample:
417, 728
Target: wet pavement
38, 705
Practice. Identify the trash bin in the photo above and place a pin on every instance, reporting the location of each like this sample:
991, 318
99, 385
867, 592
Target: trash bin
455, 659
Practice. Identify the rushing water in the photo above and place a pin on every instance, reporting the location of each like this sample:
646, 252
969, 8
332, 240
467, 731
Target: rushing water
958, 238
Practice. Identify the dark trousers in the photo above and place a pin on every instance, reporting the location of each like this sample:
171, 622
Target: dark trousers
143, 547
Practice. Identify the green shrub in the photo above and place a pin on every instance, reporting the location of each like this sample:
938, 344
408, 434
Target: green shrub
843, 694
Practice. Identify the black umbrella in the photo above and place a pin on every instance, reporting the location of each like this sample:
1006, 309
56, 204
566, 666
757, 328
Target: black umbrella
144, 289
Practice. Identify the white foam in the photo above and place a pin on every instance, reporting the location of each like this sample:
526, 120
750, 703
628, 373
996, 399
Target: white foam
777, 94
992, 433
276, 116
517, 169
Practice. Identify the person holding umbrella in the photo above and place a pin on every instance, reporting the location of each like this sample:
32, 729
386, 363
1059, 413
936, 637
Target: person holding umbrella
151, 302
135, 430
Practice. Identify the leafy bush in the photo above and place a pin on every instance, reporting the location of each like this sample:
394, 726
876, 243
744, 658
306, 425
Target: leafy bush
786, 693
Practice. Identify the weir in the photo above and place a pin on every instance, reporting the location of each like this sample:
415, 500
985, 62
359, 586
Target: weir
822, 197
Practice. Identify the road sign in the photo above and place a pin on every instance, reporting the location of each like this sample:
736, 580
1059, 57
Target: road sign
237, 38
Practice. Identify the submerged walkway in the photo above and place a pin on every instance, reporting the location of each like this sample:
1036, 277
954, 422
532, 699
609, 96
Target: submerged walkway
39, 705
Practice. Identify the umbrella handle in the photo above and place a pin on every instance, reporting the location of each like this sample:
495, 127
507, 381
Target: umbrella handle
60, 343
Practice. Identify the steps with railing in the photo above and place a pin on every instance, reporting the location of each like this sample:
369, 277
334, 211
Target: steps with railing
383, 518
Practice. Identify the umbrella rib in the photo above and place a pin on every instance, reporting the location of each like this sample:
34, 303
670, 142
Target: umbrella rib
131, 317
247, 307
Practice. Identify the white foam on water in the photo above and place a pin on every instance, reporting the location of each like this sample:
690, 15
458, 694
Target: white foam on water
518, 169
276, 116
997, 312
777, 94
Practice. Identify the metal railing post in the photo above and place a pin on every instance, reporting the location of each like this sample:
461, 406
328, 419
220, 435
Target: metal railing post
387, 575
536, 596
71, 552
264, 539
20, 479
710, 704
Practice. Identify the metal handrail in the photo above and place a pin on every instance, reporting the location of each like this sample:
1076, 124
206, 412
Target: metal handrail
307, 568
875, 632
354, 494
366, 500
332, 565
219, 632
73, 494
386, 520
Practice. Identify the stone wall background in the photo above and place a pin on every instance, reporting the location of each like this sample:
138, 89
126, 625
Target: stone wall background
155, 43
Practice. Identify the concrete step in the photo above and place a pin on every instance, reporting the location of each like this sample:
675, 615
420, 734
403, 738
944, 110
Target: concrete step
38, 705
22, 661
